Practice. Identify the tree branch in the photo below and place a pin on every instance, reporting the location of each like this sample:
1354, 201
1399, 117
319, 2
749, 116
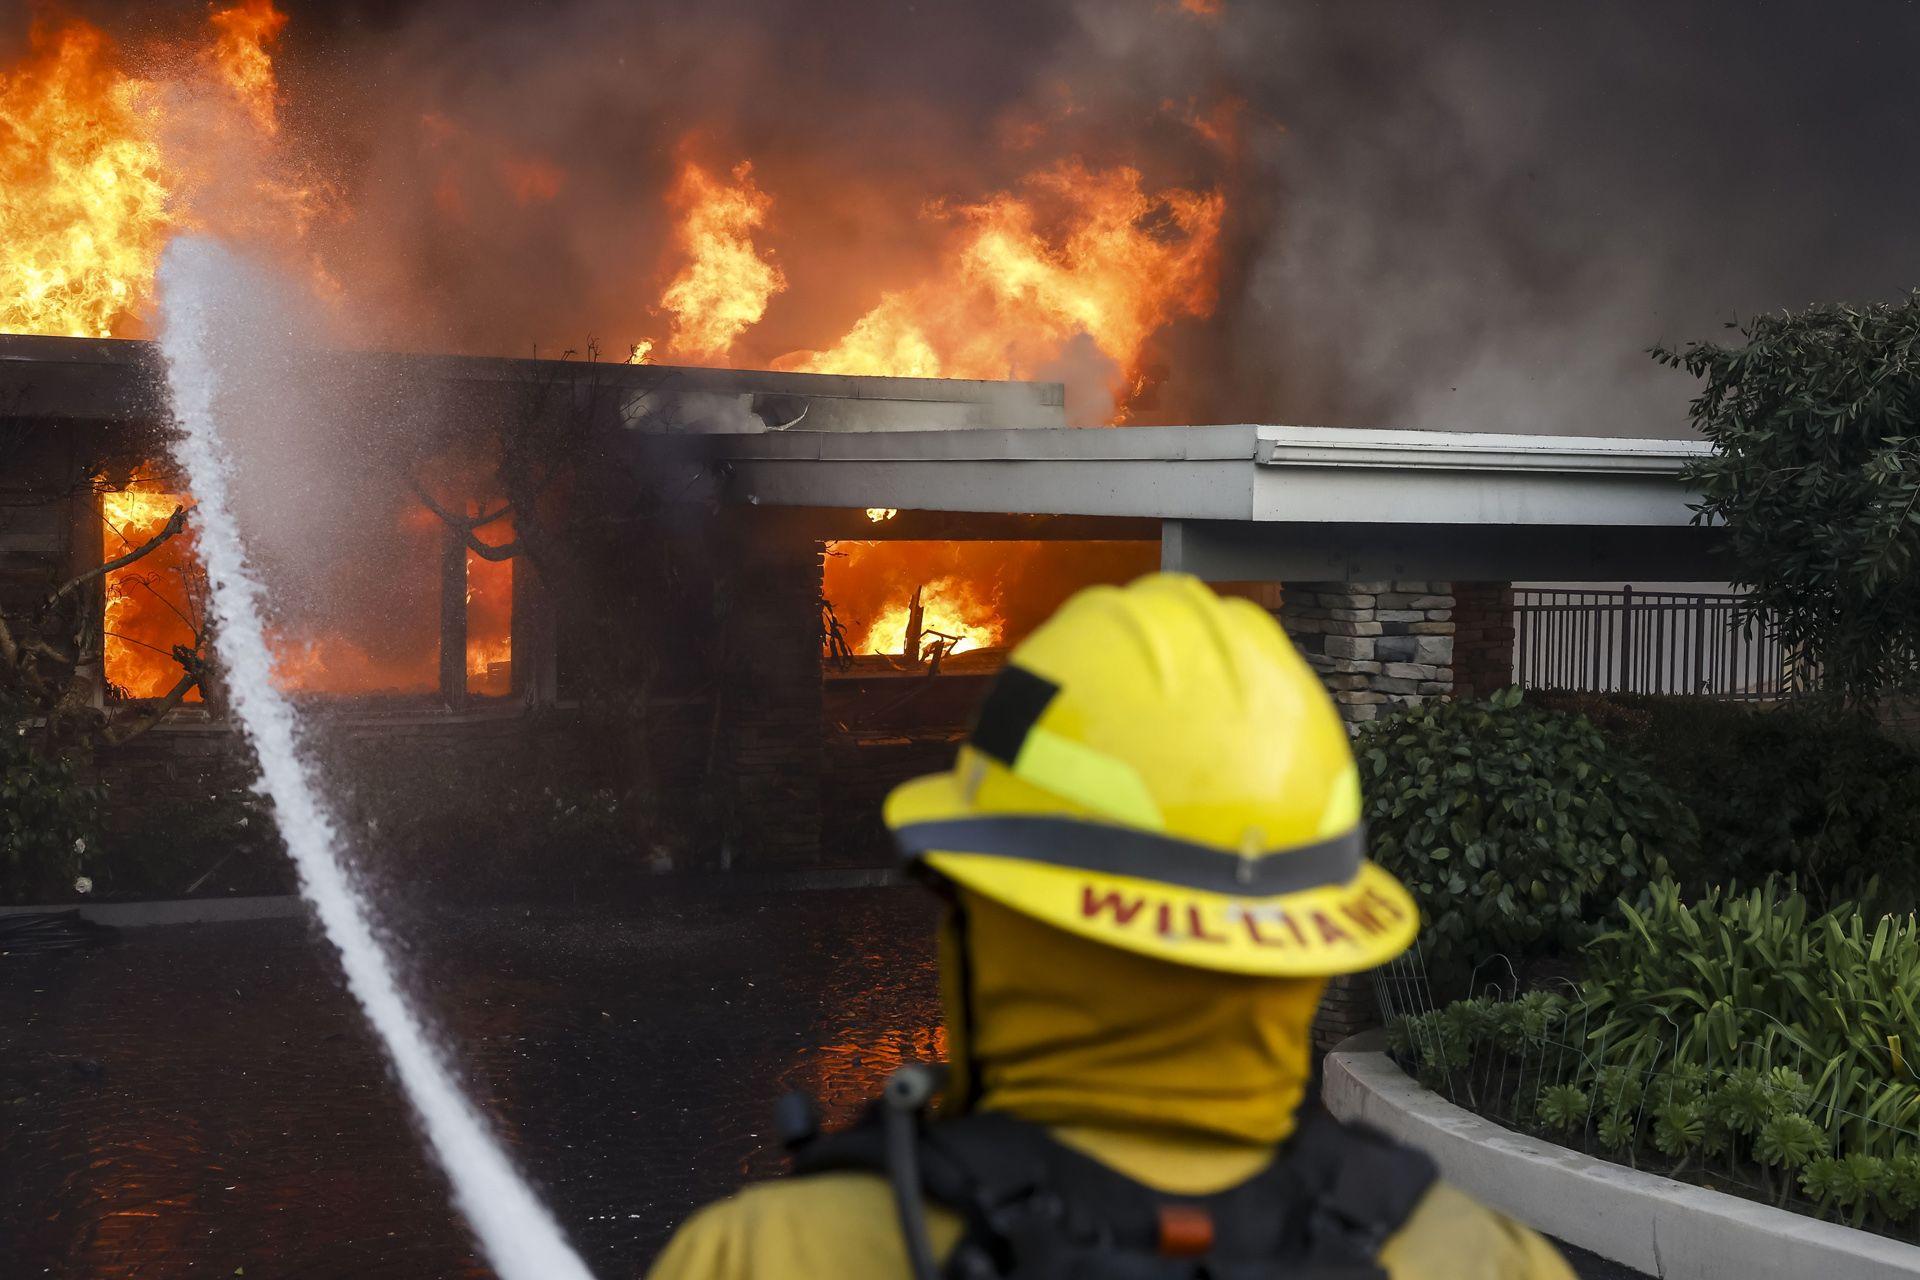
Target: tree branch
175, 523
465, 528
119, 735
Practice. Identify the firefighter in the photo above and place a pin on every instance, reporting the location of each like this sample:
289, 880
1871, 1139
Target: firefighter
1151, 854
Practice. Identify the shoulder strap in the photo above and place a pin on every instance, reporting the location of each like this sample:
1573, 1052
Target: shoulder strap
1364, 1185
1034, 1206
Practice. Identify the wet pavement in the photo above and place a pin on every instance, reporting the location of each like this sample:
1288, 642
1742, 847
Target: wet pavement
198, 1100
205, 1101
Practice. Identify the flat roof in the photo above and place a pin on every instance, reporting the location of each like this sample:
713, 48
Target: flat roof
1237, 501
1269, 502
1271, 473
119, 380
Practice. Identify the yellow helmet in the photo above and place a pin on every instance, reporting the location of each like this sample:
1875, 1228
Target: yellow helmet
1158, 769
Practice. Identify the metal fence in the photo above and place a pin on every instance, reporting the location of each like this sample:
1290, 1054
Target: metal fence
1632, 641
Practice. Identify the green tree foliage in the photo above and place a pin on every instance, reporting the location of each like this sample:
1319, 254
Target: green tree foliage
1816, 476
1513, 825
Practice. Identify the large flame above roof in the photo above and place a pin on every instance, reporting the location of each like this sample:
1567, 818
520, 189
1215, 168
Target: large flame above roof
84, 188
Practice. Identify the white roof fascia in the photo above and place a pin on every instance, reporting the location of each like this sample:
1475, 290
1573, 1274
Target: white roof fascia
1471, 450
1241, 472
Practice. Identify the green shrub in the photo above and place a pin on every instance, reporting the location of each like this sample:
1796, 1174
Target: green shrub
1829, 799
49, 817
213, 839
1812, 481
1513, 825
1738, 1032
1750, 986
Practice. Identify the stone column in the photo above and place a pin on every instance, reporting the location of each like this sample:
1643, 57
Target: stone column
1482, 637
1347, 1008
1376, 644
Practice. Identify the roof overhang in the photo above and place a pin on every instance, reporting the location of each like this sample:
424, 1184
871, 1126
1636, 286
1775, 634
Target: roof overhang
1262, 502
115, 381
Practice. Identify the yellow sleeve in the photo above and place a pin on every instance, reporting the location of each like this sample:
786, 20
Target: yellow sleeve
704, 1246
841, 1225
1452, 1236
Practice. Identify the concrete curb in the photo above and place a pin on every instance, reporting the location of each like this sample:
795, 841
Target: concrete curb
1657, 1225
136, 915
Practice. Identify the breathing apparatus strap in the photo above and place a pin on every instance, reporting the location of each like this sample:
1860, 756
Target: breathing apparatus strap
1035, 1208
902, 1102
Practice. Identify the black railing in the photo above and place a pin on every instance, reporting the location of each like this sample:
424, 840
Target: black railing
1649, 642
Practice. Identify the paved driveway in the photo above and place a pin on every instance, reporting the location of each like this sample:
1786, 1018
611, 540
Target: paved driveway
204, 1100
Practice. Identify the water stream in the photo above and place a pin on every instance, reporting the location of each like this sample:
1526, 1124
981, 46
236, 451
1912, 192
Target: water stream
203, 301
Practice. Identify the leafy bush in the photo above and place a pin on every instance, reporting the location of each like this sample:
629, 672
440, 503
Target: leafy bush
49, 817
1513, 825
1831, 800
1736, 1036
1815, 477
212, 837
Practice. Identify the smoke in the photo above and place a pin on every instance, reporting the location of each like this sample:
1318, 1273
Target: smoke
1437, 215
1479, 218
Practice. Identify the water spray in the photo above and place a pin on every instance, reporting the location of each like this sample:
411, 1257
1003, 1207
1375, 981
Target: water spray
199, 282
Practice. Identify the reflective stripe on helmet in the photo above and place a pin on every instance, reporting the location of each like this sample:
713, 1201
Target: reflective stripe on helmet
1075, 771
1007, 729
1144, 855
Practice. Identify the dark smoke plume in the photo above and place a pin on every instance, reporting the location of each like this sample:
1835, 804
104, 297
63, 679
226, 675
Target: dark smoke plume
1440, 215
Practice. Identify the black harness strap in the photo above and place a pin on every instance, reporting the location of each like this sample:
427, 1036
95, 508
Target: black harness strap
1037, 1209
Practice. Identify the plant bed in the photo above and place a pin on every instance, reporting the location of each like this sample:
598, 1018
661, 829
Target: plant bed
1736, 1042
1652, 1224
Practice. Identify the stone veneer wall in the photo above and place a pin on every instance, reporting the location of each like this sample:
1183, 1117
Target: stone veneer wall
1376, 644
1482, 637
1347, 1009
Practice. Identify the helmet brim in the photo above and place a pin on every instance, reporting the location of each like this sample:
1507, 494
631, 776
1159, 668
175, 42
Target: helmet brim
1322, 931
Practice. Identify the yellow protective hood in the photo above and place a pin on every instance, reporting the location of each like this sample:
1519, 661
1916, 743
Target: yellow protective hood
1066, 1032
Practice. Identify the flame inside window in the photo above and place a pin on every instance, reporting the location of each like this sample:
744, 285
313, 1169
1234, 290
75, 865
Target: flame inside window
152, 604
971, 595
381, 639
490, 616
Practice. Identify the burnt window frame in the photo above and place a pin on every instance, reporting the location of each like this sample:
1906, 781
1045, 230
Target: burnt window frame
531, 680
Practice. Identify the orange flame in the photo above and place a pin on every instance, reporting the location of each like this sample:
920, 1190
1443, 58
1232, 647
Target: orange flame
946, 606
726, 283
240, 55
83, 189
90, 192
336, 663
151, 603
1078, 251
880, 515
990, 594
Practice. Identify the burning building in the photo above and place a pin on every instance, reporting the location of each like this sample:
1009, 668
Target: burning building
831, 469
547, 539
